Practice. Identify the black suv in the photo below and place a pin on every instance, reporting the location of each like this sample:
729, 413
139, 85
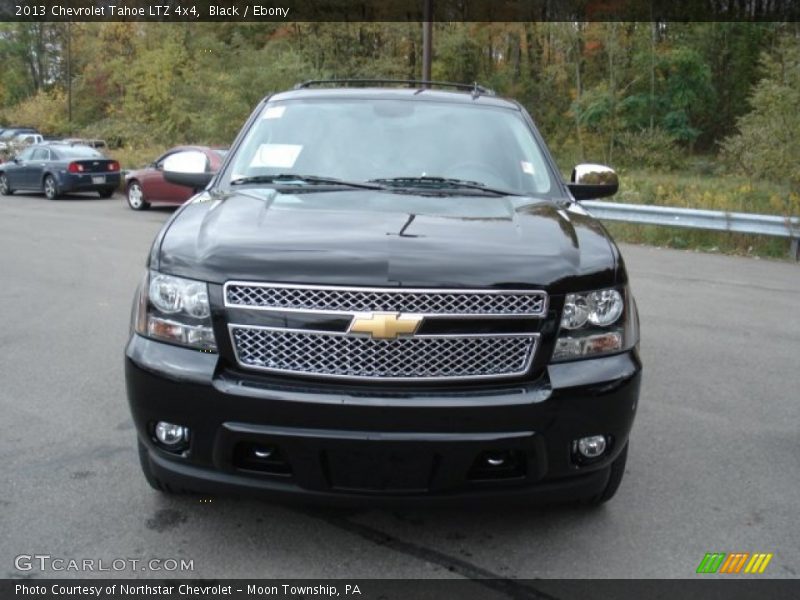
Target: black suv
387, 291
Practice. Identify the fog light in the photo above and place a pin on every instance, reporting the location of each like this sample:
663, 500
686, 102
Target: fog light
170, 434
592, 446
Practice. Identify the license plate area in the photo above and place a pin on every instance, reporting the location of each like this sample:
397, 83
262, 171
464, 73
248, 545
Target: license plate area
99, 179
380, 468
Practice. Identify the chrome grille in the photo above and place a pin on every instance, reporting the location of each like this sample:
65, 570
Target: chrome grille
413, 358
267, 296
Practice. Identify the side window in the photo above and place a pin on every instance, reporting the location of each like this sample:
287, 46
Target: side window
26, 154
41, 154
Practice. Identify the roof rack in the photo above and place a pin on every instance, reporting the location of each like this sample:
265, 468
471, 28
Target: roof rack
477, 90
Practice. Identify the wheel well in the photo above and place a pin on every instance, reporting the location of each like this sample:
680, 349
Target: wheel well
55, 180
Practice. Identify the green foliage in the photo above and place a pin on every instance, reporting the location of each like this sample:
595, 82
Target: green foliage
692, 189
686, 81
670, 100
47, 111
731, 51
768, 143
31, 55
650, 148
632, 94
458, 55
595, 107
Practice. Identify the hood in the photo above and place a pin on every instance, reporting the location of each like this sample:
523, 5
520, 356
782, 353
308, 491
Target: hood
377, 238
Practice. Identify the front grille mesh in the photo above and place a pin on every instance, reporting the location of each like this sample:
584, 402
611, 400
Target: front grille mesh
467, 302
423, 358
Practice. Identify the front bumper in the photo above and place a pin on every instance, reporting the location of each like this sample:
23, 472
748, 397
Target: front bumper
358, 443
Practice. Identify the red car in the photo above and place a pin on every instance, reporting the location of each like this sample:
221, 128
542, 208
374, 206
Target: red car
147, 185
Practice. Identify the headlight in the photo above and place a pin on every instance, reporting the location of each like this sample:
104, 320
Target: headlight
592, 323
172, 295
601, 308
576, 312
176, 310
605, 307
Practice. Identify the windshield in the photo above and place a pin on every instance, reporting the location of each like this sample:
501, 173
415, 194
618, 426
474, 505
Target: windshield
358, 140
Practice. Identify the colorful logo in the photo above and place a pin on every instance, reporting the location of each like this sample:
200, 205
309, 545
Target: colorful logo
733, 563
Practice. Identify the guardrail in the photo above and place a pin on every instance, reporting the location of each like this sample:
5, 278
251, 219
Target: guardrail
692, 218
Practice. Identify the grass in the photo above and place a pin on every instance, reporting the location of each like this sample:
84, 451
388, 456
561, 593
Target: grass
703, 186
712, 191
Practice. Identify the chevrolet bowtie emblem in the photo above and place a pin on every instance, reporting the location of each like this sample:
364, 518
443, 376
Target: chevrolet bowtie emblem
385, 326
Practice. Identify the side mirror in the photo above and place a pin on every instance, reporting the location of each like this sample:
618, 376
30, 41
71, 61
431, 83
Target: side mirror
188, 168
590, 181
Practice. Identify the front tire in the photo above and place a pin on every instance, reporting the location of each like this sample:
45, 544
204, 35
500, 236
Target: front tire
5, 189
50, 187
135, 196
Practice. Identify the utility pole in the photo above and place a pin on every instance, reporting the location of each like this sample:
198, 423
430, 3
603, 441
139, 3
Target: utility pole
69, 76
427, 38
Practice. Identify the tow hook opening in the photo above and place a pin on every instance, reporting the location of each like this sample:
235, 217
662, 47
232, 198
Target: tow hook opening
498, 464
263, 458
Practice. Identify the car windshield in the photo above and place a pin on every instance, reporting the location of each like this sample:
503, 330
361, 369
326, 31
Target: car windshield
411, 142
78, 152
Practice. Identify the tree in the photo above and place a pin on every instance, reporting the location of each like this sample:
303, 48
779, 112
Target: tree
768, 142
674, 99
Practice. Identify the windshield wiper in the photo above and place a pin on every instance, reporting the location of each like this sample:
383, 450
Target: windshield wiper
440, 183
305, 179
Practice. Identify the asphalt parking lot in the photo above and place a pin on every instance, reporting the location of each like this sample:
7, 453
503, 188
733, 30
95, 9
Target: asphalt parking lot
713, 464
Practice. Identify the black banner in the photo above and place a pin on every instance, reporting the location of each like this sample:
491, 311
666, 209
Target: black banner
701, 588
398, 10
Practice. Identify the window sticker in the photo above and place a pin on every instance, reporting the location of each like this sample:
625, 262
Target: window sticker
281, 156
274, 112
527, 167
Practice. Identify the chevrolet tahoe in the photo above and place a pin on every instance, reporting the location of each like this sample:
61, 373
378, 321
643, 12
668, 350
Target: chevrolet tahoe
386, 293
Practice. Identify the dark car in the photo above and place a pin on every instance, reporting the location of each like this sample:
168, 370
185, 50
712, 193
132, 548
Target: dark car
385, 293
146, 186
56, 169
